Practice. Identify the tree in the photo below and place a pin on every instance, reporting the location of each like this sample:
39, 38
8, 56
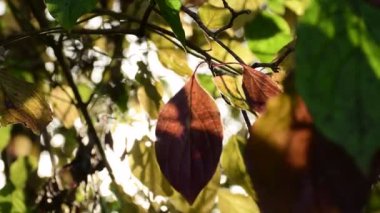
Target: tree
189, 106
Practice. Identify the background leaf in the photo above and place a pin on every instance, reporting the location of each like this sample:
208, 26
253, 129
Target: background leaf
267, 34
233, 164
338, 74
19, 173
229, 202
170, 11
66, 12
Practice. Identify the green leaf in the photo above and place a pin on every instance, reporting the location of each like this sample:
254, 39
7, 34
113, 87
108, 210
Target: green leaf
233, 164
277, 6
236, 203
66, 12
85, 91
297, 6
145, 167
126, 202
170, 11
4, 136
205, 80
338, 73
214, 17
19, 173
205, 201
18, 201
267, 34
231, 88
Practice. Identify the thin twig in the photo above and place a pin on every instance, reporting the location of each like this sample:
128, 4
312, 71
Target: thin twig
234, 15
144, 20
211, 34
274, 65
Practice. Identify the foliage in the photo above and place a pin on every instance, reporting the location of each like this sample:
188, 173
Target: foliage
189, 106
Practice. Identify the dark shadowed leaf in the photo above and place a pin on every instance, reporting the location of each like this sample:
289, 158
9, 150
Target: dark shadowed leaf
258, 88
189, 139
296, 169
170, 11
66, 12
338, 74
21, 102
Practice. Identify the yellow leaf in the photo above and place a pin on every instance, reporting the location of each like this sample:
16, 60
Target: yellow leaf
21, 102
236, 45
214, 17
63, 108
231, 88
175, 59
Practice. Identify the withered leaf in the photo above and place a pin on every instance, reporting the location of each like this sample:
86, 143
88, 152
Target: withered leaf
258, 88
189, 139
21, 102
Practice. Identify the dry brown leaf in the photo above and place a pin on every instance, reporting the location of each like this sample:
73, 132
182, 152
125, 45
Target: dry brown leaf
258, 88
21, 102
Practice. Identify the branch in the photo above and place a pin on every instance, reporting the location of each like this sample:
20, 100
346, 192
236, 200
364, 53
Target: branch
145, 17
274, 65
234, 15
210, 33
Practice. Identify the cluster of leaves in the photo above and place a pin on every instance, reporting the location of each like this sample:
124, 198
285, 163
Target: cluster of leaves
313, 146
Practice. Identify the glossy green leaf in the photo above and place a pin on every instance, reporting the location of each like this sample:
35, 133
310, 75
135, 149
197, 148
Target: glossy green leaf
66, 12
170, 11
267, 34
237, 203
233, 164
338, 73
19, 173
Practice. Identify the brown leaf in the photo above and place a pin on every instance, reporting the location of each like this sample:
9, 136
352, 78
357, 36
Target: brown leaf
21, 102
189, 139
258, 88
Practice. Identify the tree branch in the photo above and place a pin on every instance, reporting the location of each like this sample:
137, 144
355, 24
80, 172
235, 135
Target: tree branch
210, 33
